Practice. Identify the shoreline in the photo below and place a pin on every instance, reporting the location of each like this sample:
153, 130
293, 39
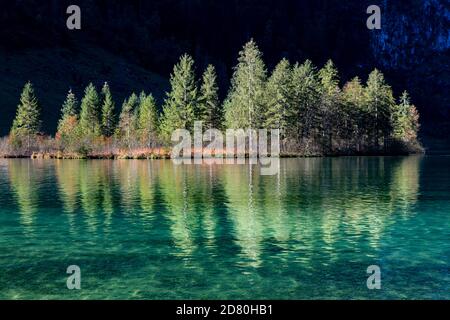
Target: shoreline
167, 156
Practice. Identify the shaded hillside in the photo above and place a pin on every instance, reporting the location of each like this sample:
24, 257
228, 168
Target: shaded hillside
53, 71
412, 49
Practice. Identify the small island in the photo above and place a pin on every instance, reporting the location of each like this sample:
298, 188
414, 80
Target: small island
316, 116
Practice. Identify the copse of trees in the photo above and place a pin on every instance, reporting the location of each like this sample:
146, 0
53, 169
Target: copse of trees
315, 114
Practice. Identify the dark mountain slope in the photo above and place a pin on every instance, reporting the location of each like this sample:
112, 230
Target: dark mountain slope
54, 70
412, 48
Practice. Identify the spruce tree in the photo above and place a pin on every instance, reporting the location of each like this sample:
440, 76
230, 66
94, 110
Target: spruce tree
306, 93
147, 119
279, 99
330, 105
380, 103
108, 113
355, 112
181, 103
413, 125
89, 114
27, 122
210, 111
68, 122
405, 120
69, 107
127, 120
244, 105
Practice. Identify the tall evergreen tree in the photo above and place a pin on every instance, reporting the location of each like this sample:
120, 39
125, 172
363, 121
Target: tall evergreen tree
279, 99
70, 105
127, 120
68, 122
108, 120
244, 105
330, 104
89, 114
210, 111
405, 120
306, 93
181, 103
147, 119
355, 112
380, 103
27, 122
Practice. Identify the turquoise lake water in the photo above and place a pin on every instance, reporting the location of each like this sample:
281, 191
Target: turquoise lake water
155, 230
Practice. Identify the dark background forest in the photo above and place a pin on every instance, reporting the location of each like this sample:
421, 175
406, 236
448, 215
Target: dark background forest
134, 44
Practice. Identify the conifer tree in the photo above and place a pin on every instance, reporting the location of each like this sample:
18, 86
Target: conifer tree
405, 120
67, 125
244, 105
127, 120
330, 104
413, 125
89, 114
70, 105
279, 99
147, 119
306, 93
181, 103
209, 106
108, 113
355, 112
27, 122
380, 103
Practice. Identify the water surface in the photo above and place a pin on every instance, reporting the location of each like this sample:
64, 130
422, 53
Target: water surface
154, 230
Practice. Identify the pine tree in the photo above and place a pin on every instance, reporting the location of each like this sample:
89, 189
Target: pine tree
69, 107
405, 120
413, 125
244, 105
89, 115
108, 113
279, 99
147, 119
330, 105
306, 93
68, 122
127, 120
27, 122
181, 104
380, 103
210, 111
355, 112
